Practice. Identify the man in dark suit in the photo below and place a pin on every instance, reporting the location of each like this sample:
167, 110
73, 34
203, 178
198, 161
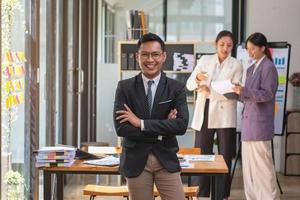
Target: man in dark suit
150, 109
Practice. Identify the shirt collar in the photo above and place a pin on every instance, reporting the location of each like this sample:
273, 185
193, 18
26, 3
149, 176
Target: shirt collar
156, 79
218, 61
259, 61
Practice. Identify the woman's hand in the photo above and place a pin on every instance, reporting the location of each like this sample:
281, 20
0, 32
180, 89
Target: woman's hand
203, 88
237, 89
202, 76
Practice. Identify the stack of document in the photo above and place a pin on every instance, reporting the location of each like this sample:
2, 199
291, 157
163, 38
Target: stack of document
208, 158
107, 161
55, 157
186, 160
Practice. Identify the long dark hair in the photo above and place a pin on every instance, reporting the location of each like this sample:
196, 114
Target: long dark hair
258, 39
223, 34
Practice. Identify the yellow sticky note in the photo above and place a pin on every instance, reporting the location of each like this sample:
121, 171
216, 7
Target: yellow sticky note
282, 79
8, 56
21, 97
9, 102
21, 56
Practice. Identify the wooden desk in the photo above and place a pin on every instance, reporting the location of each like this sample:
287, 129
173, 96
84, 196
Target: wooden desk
215, 169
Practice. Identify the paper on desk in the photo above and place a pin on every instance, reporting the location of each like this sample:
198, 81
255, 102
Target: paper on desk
199, 157
186, 164
102, 150
107, 161
222, 87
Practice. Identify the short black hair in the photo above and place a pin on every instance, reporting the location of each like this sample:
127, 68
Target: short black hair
148, 37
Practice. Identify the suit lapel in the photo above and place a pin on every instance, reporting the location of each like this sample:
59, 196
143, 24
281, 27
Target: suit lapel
159, 91
255, 76
250, 75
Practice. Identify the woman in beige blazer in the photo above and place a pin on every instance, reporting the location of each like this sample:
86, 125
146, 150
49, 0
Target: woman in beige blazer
214, 113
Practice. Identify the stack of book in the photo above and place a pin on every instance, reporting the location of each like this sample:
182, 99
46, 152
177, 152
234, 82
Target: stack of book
55, 157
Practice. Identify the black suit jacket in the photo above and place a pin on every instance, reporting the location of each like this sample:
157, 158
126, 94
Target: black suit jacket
138, 144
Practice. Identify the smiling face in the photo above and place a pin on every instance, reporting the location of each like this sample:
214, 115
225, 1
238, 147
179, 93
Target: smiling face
151, 57
255, 52
224, 46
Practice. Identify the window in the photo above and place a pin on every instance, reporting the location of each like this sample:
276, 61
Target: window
197, 19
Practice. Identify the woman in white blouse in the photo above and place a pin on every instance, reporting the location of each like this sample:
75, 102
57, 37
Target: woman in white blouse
214, 113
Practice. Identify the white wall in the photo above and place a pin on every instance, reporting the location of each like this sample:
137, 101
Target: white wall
279, 21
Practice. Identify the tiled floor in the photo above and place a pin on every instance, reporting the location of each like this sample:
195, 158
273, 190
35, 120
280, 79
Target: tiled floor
290, 186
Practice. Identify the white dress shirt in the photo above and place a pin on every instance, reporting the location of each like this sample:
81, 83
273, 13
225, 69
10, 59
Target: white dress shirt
256, 65
153, 90
153, 86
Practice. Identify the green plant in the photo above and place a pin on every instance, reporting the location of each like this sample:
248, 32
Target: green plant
13, 178
15, 185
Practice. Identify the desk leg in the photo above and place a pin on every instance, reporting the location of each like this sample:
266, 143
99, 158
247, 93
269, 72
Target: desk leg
47, 185
60, 186
217, 187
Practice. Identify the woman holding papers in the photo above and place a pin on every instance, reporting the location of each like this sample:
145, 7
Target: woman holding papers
258, 96
215, 113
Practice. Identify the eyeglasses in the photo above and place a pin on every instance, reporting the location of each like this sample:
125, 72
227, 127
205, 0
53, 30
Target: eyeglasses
155, 54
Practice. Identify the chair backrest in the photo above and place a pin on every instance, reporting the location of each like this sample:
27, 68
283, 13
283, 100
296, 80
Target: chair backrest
104, 150
194, 151
118, 150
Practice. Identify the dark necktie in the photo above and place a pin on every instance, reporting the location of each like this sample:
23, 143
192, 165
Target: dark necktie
149, 96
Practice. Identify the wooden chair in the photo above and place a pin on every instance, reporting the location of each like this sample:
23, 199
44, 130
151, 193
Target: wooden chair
189, 151
192, 151
97, 190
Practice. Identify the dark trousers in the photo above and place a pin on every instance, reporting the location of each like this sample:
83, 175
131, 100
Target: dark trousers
226, 138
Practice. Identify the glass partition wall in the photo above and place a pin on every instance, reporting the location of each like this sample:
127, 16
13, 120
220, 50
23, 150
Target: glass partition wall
14, 182
40, 84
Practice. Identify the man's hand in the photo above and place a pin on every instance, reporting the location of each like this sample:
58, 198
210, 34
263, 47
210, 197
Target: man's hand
172, 114
203, 88
128, 116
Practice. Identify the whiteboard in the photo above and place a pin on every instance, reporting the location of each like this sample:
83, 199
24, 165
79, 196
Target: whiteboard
280, 52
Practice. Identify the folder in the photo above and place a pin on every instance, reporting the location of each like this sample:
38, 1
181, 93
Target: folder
231, 95
124, 61
129, 21
131, 61
143, 22
136, 25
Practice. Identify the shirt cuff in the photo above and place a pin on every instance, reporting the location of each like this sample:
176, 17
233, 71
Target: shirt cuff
142, 125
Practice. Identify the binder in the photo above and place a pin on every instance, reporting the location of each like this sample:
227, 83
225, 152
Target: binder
136, 25
129, 21
124, 61
131, 61
136, 64
143, 22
